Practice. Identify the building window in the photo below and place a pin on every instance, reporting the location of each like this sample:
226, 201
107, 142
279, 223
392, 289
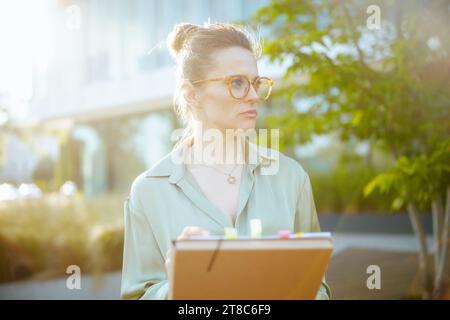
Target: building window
98, 68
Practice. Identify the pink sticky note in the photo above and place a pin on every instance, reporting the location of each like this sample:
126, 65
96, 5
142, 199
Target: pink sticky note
284, 234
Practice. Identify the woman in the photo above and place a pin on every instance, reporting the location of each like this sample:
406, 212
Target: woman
219, 89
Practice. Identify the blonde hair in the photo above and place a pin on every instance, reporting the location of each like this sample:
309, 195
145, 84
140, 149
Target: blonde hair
192, 47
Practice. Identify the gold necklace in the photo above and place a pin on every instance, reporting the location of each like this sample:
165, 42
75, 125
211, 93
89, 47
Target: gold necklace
231, 179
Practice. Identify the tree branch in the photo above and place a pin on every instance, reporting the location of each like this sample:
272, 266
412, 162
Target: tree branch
437, 214
438, 283
423, 250
353, 37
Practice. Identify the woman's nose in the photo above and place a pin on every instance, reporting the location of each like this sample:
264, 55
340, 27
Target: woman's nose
252, 94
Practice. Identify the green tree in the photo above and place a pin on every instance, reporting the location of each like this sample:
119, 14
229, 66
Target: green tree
378, 72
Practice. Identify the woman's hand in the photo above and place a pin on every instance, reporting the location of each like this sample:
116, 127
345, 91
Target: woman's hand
192, 231
185, 234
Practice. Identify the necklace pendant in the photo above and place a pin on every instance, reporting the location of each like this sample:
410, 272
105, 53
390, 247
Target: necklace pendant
231, 180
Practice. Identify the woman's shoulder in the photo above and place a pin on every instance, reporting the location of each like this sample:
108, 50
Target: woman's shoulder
286, 167
140, 183
153, 178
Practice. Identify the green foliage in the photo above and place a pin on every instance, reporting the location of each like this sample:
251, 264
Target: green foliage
340, 191
420, 179
389, 87
338, 180
42, 237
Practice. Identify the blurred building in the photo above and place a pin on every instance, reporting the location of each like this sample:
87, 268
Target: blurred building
107, 79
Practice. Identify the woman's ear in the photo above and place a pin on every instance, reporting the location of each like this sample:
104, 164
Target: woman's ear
190, 94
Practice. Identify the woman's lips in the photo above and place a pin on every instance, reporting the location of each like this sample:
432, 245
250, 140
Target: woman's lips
250, 113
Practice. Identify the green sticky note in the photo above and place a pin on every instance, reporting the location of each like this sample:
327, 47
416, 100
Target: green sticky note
255, 228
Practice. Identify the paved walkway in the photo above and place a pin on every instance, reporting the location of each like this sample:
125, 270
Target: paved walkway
395, 254
387, 242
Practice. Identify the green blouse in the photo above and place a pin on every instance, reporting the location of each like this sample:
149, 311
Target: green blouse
166, 198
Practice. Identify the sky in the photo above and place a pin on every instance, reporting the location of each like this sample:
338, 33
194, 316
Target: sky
23, 39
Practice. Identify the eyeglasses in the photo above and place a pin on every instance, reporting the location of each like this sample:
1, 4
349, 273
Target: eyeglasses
239, 85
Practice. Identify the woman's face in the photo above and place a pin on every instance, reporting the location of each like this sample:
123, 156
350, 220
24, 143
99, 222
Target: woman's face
216, 107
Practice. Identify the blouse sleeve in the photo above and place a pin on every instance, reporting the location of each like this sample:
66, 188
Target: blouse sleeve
143, 272
306, 221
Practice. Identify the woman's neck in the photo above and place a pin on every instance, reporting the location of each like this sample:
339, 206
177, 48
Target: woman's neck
212, 146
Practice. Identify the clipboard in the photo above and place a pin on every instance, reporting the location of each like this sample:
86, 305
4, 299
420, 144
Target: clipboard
245, 268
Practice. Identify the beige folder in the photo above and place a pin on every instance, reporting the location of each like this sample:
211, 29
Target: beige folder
244, 268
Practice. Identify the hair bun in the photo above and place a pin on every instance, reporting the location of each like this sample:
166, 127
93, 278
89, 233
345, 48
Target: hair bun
177, 38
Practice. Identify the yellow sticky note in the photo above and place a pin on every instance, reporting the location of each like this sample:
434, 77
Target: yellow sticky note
230, 233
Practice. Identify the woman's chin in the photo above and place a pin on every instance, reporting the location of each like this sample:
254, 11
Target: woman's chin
242, 126
247, 125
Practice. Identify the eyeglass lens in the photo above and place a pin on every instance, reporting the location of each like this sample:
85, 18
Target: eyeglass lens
240, 87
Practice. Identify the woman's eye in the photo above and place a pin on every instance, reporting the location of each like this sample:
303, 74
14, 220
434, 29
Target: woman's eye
237, 83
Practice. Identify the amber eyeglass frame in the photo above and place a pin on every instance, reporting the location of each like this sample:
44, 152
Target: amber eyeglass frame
229, 81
